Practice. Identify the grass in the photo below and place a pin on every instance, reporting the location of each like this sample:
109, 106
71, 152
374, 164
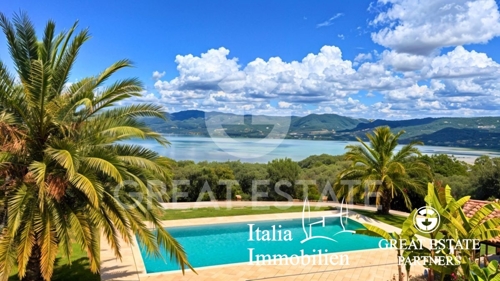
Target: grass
229, 212
491, 250
79, 270
393, 220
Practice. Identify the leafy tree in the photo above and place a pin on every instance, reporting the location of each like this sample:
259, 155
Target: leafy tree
198, 177
183, 163
247, 173
224, 173
398, 202
446, 165
311, 190
282, 170
378, 161
319, 160
485, 177
461, 185
203, 177
323, 176
63, 161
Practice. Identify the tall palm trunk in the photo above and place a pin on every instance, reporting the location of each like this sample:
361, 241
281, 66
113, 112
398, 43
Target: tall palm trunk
385, 201
33, 269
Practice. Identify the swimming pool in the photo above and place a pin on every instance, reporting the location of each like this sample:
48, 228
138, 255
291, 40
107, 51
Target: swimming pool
218, 244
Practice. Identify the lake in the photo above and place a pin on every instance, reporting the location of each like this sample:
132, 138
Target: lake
262, 151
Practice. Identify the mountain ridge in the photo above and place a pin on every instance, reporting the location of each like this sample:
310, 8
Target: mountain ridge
476, 132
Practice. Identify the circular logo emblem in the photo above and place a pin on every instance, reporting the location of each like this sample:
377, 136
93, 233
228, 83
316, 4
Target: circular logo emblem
426, 219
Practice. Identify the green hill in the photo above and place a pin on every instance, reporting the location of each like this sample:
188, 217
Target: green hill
461, 137
192, 122
478, 132
319, 122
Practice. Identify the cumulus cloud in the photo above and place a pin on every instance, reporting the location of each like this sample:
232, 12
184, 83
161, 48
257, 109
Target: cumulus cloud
363, 57
454, 83
451, 84
404, 62
414, 92
420, 27
157, 75
258, 80
284, 104
215, 81
461, 63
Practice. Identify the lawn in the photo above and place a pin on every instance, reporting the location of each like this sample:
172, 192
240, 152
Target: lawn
393, 220
79, 270
227, 212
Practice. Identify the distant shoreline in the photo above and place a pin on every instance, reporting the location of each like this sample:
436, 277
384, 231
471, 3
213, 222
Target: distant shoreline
403, 142
465, 132
201, 148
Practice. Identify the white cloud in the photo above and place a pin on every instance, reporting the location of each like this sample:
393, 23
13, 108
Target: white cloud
157, 75
363, 57
461, 63
329, 21
284, 104
341, 36
404, 62
420, 27
415, 92
410, 85
259, 80
453, 84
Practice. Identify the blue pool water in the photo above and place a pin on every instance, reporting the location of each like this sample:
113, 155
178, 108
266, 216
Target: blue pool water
208, 245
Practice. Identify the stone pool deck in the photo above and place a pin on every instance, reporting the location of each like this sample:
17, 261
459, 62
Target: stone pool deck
366, 265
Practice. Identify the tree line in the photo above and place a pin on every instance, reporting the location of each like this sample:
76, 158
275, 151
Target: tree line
480, 180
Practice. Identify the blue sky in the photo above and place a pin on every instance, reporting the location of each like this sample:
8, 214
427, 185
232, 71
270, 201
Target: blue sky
390, 59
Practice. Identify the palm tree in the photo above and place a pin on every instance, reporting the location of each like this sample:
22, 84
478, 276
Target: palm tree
377, 166
67, 175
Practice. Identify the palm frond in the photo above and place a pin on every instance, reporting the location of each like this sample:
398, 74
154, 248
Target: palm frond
27, 240
91, 190
65, 158
105, 166
67, 57
48, 242
7, 254
46, 50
